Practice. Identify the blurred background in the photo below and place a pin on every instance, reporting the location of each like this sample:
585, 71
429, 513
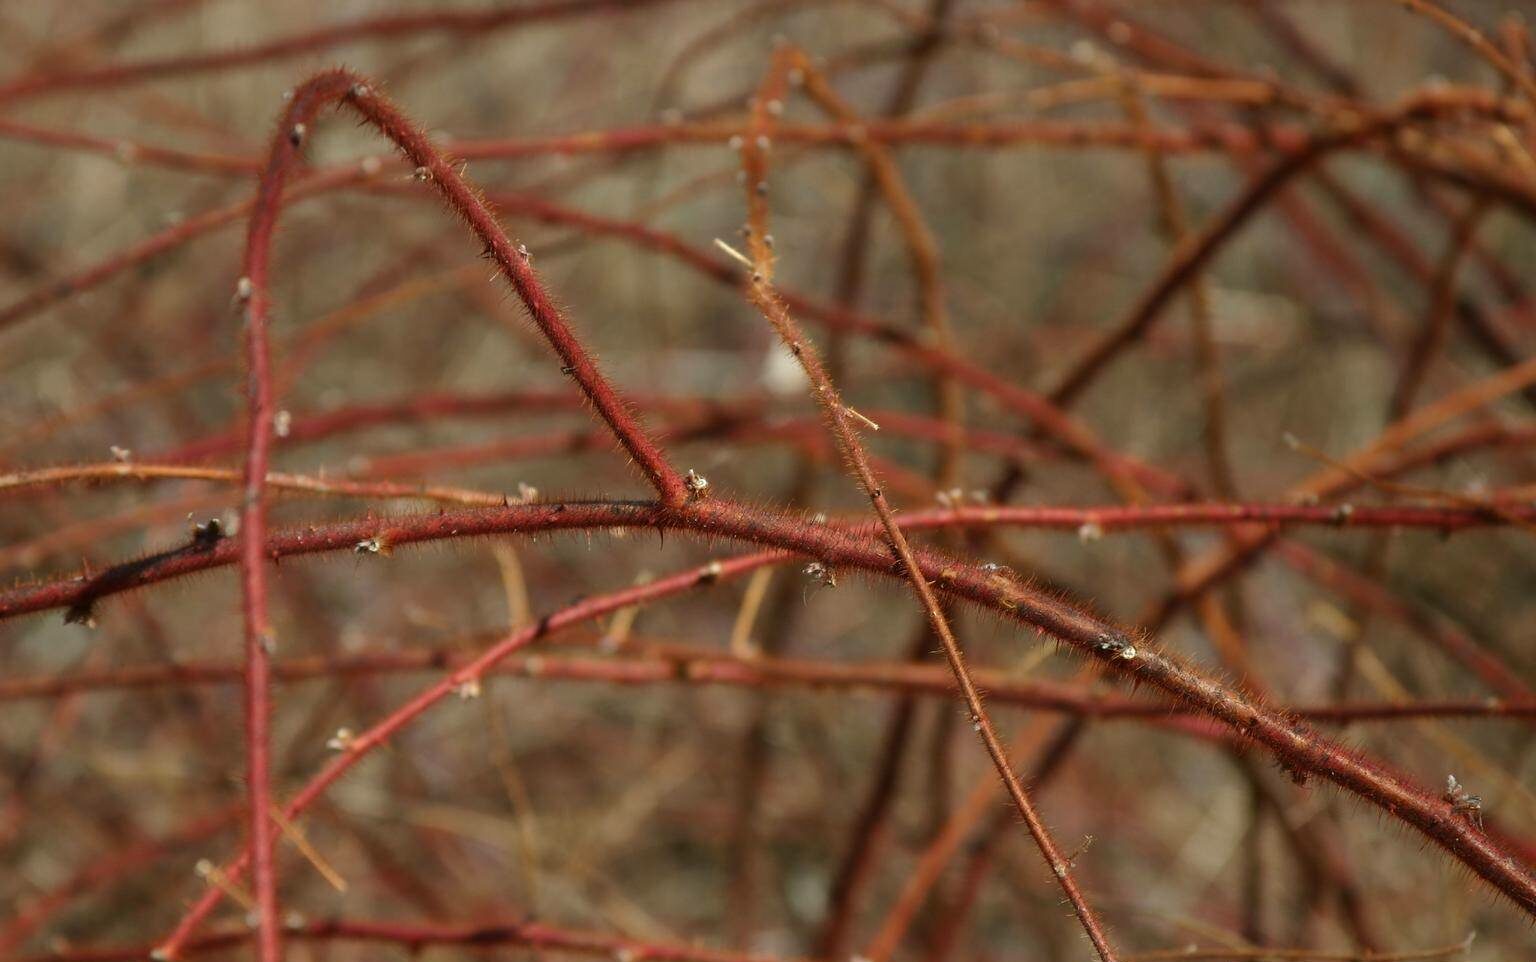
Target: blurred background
1057, 154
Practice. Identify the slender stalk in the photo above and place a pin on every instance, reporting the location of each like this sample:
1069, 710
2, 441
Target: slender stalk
408, 25
840, 421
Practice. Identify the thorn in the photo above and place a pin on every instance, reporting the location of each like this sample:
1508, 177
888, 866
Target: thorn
733, 252
857, 416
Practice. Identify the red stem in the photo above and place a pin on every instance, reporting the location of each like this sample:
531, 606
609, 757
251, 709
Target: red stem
1130, 658
407, 25
345, 87
698, 666
81, 592
415, 936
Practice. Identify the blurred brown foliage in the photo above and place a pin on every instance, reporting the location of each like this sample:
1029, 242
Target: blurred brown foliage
1061, 155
